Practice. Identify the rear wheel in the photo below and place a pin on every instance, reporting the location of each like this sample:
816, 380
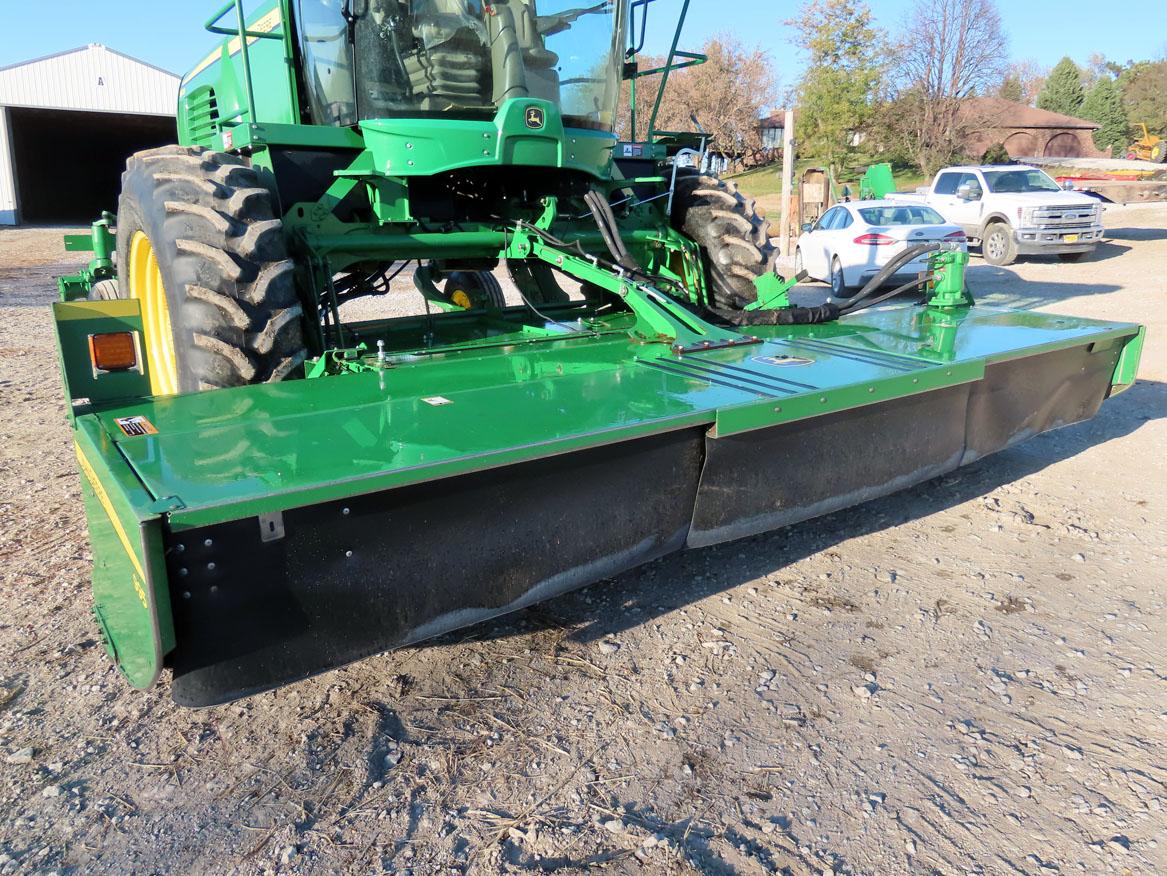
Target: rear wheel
997, 246
200, 246
1159, 151
733, 236
474, 290
839, 287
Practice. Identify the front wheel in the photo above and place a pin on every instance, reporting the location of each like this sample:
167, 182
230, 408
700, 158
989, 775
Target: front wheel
733, 236
475, 290
199, 245
1159, 151
998, 246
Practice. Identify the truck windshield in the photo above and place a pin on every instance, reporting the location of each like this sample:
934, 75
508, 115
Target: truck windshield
1012, 181
375, 59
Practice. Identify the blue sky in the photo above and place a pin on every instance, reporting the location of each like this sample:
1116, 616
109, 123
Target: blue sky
169, 33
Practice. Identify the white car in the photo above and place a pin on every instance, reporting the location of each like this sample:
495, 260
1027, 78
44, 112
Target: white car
851, 242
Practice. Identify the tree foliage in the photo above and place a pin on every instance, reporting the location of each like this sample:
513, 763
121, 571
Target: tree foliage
1144, 91
1063, 91
948, 51
1103, 104
727, 94
1011, 88
836, 95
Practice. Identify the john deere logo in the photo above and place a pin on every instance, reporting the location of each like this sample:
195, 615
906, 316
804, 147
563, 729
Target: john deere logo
535, 117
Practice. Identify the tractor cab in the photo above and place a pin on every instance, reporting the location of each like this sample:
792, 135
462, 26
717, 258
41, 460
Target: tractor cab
379, 59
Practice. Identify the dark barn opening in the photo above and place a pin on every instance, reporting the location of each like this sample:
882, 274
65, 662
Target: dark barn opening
69, 164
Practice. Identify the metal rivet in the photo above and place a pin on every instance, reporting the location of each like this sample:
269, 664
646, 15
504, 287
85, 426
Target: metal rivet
348, 553
180, 547
778, 410
208, 543
345, 511
183, 572
215, 588
823, 400
411, 164
186, 594
210, 567
871, 389
915, 380
408, 145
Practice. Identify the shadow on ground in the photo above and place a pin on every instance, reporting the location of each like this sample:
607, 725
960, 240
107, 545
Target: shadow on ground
675, 581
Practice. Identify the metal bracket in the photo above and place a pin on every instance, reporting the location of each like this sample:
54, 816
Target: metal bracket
271, 526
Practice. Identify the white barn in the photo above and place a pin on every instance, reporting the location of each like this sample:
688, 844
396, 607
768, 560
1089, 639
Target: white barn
67, 123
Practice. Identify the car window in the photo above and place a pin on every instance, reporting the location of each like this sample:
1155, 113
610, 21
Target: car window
845, 220
1012, 181
826, 221
900, 215
946, 183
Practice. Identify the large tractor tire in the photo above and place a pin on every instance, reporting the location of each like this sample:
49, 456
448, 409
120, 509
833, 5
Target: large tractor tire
734, 238
200, 245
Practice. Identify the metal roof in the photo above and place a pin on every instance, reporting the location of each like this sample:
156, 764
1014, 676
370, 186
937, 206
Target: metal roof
93, 78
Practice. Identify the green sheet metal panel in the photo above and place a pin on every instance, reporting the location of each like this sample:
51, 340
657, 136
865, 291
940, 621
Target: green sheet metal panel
236, 453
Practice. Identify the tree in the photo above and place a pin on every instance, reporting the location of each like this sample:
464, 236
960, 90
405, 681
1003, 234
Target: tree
948, 51
1032, 79
836, 95
1103, 104
1011, 88
1144, 91
727, 94
1063, 89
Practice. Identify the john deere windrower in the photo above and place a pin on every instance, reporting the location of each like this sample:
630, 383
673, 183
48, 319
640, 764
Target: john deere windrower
274, 489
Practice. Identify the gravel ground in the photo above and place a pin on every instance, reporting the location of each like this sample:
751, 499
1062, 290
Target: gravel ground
968, 677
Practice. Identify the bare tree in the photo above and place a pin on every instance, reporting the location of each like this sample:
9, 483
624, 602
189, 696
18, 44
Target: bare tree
950, 50
727, 94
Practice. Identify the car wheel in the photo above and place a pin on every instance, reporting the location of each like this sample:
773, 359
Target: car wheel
839, 288
998, 247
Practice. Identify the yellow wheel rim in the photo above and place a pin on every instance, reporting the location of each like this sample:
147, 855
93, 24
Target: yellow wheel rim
461, 299
146, 286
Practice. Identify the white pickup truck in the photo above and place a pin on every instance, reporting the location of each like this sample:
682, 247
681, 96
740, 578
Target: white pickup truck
1014, 209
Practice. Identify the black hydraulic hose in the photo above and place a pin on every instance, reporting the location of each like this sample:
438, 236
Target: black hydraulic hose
899, 290
887, 271
782, 316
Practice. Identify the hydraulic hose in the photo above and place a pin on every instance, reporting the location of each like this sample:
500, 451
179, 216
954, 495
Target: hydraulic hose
886, 272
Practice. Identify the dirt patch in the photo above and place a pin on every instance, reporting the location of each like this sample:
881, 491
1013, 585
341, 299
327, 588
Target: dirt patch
859, 694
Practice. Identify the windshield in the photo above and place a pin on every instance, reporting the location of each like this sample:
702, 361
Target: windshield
1013, 181
375, 59
888, 216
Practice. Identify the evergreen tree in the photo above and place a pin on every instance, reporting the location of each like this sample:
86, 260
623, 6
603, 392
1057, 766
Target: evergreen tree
1104, 105
1063, 89
835, 94
1012, 89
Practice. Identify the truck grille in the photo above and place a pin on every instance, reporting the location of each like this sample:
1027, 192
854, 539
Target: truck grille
1065, 217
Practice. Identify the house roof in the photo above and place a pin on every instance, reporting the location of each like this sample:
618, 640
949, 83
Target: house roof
996, 112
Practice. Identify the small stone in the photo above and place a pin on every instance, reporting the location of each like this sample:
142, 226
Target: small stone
1119, 843
52, 791
1079, 558
24, 755
287, 854
910, 846
614, 825
1022, 791
863, 691
608, 646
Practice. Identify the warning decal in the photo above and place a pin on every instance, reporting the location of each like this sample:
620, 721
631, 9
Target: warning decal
135, 427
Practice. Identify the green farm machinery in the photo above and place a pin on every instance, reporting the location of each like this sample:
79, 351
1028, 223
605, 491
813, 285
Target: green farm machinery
280, 479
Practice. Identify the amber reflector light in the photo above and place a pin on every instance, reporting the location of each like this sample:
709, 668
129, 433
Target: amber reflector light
115, 351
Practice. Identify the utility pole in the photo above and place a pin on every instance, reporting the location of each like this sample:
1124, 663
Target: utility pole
787, 182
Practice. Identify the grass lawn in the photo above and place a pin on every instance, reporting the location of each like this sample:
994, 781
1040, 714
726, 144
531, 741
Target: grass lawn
765, 183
